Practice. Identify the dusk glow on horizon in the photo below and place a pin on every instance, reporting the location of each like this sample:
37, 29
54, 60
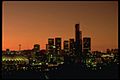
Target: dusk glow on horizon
33, 22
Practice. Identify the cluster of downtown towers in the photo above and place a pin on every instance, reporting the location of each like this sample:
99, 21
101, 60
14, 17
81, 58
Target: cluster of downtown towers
75, 47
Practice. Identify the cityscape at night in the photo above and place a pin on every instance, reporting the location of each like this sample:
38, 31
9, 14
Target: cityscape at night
67, 52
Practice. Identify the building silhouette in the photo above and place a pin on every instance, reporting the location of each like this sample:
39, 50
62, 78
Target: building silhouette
36, 47
58, 45
86, 46
36, 51
78, 41
50, 45
72, 46
66, 46
7, 51
19, 47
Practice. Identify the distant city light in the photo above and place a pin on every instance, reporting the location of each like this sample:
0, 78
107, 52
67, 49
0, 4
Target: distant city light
40, 63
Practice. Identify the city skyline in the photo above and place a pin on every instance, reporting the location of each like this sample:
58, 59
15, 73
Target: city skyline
22, 21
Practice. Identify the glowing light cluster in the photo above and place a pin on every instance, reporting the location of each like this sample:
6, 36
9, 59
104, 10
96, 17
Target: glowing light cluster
16, 58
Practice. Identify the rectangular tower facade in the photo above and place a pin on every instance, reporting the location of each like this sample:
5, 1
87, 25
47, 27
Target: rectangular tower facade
36, 47
81, 42
50, 45
66, 46
58, 45
86, 46
36, 50
78, 40
72, 46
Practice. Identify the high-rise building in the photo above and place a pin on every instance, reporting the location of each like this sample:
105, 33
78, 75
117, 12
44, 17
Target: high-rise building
36, 50
86, 45
50, 45
58, 45
66, 46
81, 42
72, 46
36, 47
78, 41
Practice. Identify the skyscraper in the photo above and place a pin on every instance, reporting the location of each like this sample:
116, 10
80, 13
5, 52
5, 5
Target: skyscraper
36, 50
58, 45
36, 47
72, 46
66, 46
50, 45
78, 41
81, 42
86, 45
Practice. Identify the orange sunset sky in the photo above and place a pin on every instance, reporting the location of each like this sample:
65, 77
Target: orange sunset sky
31, 22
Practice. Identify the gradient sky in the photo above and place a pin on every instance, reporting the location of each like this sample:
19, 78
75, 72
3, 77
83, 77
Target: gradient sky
30, 22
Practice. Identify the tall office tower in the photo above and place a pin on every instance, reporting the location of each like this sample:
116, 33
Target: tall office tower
86, 46
36, 50
36, 47
58, 45
72, 46
78, 39
66, 46
50, 45
81, 42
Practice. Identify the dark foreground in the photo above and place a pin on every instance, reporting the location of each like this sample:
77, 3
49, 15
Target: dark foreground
65, 72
